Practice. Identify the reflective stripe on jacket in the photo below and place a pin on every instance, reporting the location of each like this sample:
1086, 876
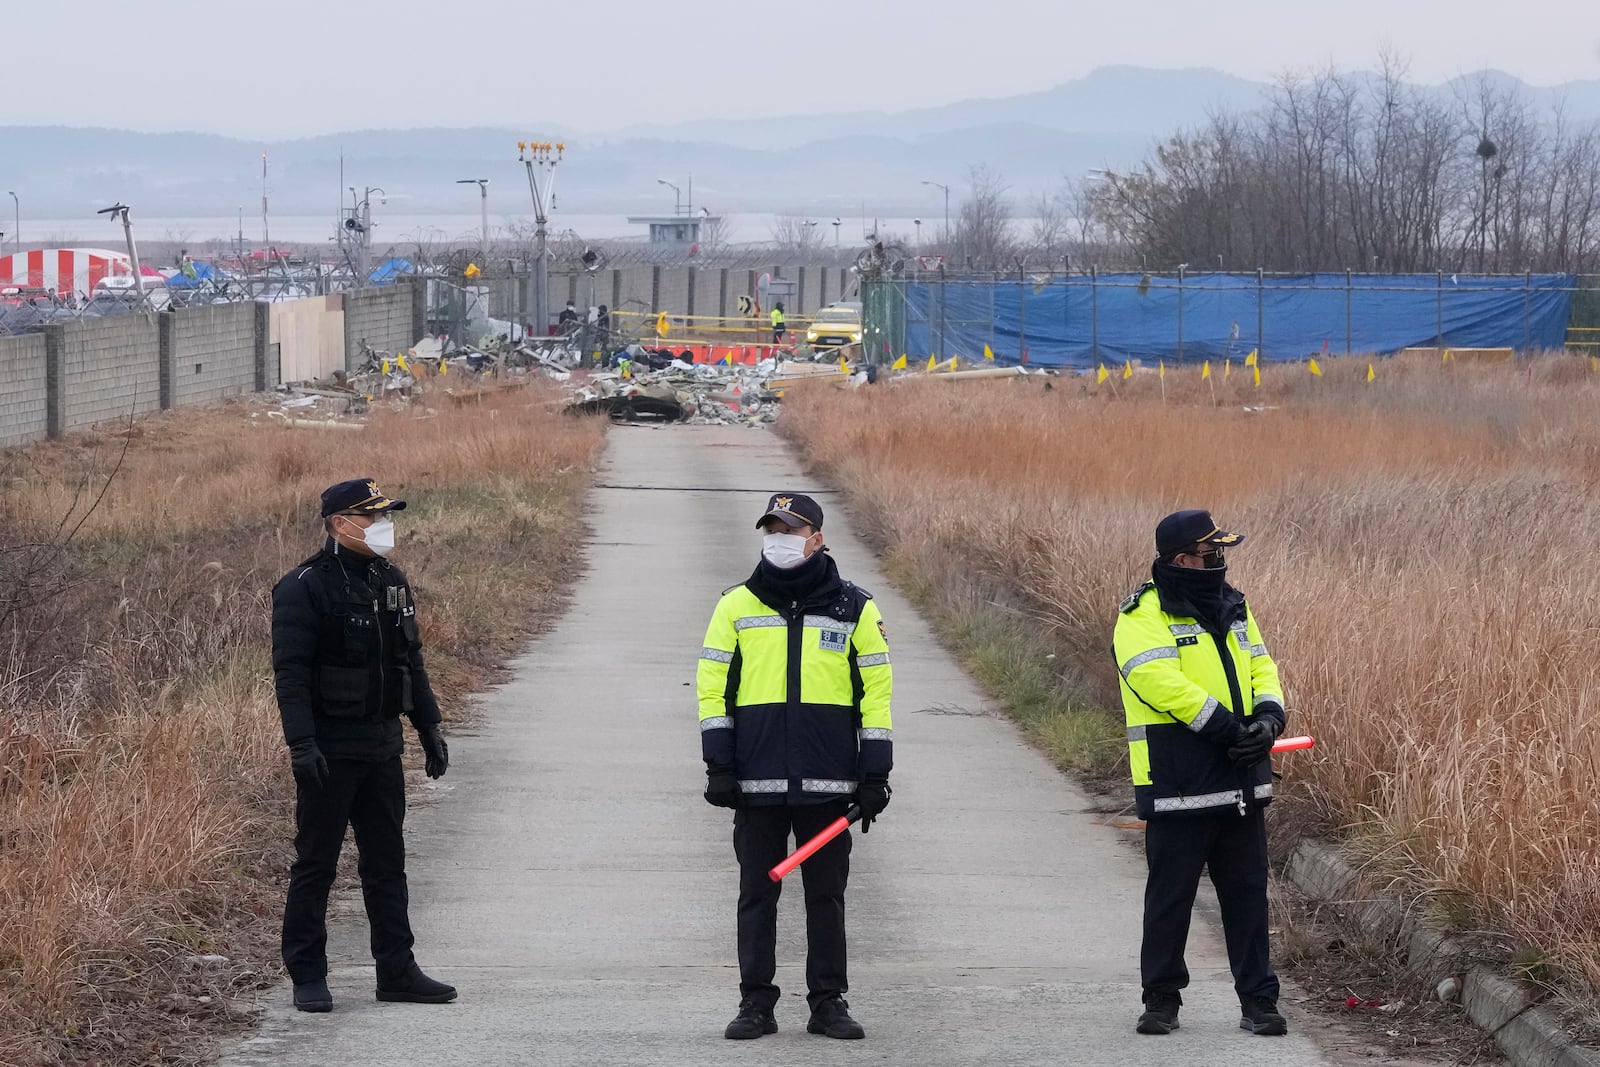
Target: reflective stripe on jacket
796, 700
1179, 683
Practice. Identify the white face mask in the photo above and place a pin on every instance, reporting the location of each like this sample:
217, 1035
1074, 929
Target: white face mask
783, 550
379, 537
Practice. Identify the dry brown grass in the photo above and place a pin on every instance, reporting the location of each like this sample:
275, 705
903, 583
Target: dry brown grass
143, 788
1419, 554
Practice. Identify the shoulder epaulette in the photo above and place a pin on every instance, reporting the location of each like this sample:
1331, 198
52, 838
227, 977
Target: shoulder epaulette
1132, 600
731, 588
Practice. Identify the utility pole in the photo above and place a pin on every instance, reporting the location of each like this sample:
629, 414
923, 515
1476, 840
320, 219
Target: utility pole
946, 188
121, 212
540, 159
483, 198
16, 228
266, 236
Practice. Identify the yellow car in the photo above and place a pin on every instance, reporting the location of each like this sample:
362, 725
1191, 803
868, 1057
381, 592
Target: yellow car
835, 327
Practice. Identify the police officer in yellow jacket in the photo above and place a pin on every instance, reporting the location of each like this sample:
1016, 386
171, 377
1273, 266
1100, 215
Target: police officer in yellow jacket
794, 684
1203, 706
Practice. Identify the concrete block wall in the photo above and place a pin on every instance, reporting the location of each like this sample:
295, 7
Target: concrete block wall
109, 368
24, 411
213, 352
382, 315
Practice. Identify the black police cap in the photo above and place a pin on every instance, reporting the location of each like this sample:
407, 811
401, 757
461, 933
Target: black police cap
795, 509
1181, 529
360, 495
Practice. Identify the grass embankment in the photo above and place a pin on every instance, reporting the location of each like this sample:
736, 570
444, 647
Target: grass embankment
144, 791
1419, 555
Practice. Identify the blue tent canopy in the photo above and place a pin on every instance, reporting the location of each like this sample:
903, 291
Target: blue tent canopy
386, 272
203, 273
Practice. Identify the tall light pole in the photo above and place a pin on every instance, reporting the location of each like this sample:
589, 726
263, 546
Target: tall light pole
16, 228
918, 224
836, 235
540, 158
483, 202
120, 211
946, 188
677, 197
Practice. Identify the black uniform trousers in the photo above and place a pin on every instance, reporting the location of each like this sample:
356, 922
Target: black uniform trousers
761, 841
371, 798
1234, 849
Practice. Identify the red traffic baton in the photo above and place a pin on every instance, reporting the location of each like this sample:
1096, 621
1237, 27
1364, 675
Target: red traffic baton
805, 851
1293, 744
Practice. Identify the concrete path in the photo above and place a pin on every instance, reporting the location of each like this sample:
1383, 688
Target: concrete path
572, 883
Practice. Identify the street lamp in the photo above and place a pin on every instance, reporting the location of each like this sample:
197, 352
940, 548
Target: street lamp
677, 197
946, 188
541, 158
810, 232
918, 224
836, 235
16, 229
483, 199
120, 211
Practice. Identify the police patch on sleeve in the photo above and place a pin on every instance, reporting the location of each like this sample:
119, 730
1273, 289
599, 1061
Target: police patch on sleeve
834, 641
883, 631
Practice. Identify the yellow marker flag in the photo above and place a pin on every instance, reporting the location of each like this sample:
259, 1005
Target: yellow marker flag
1594, 362
472, 270
844, 368
1447, 357
1205, 371
988, 353
1250, 360
444, 368
1316, 371
1372, 375
1163, 371
932, 363
386, 364
662, 326
1101, 375
953, 362
899, 364
1227, 367
1258, 376
400, 361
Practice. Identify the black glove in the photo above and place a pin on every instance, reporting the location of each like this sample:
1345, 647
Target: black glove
307, 762
722, 789
437, 751
872, 796
1254, 746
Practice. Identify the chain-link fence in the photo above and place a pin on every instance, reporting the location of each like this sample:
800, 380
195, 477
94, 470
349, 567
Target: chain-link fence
1083, 318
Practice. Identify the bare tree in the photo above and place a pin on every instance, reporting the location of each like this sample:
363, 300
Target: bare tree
795, 233
983, 223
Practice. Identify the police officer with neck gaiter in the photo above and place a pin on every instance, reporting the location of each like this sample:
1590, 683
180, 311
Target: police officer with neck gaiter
348, 664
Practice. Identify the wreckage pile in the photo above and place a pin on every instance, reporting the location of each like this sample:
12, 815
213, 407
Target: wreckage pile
696, 394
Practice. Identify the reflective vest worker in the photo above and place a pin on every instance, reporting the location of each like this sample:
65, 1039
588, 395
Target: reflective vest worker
1203, 705
778, 327
794, 684
347, 663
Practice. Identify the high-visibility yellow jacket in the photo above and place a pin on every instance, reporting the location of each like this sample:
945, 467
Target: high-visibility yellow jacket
1187, 692
777, 318
795, 697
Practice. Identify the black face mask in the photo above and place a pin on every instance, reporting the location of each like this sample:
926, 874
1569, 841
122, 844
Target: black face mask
1201, 589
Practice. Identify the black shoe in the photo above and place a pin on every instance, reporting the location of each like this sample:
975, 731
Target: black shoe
751, 1023
313, 996
1160, 1014
414, 987
1261, 1017
831, 1018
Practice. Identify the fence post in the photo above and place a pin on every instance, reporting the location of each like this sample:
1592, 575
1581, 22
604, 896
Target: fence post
1261, 313
1022, 315
800, 292
263, 335
1439, 310
689, 281
164, 357
616, 291
1527, 310
941, 311
722, 294
55, 380
655, 290
1180, 313
1094, 311
1348, 328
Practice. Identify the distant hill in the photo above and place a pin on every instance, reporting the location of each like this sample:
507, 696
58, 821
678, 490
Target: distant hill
819, 164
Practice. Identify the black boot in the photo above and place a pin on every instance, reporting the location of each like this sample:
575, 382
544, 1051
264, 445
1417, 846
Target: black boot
313, 996
414, 987
1261, 1017
831, 1018
751, 1022
1160, 1013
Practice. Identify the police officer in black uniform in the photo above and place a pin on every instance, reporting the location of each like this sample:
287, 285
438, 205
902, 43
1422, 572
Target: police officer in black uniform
347, 664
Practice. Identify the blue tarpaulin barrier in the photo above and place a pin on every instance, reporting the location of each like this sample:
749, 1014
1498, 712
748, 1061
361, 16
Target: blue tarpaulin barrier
1079, 322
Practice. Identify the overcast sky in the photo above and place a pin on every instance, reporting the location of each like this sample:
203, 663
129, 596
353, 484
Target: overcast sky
275, 68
